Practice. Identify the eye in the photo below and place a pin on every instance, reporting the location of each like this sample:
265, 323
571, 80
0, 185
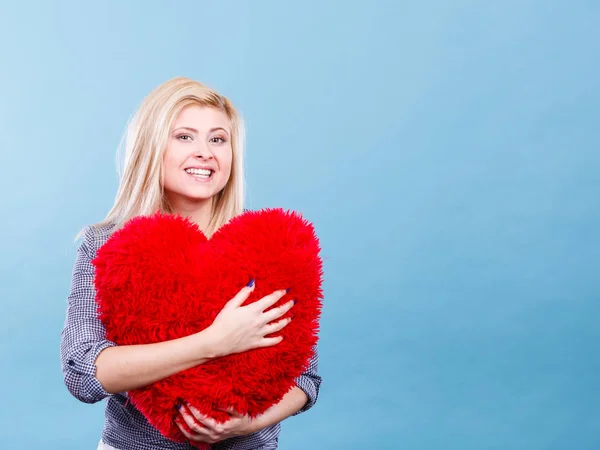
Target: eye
218, 140
182, 136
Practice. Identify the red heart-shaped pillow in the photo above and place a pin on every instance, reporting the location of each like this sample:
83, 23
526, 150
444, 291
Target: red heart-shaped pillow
159, 278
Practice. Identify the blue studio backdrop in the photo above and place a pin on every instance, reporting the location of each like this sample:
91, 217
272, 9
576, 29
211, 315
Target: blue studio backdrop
447, 152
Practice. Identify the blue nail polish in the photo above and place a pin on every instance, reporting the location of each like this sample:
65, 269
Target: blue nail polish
295, 301
287, 290
251, 283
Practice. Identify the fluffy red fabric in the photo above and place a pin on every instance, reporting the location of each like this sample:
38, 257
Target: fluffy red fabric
159, 278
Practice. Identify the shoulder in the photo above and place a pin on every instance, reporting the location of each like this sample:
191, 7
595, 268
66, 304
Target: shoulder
94, 236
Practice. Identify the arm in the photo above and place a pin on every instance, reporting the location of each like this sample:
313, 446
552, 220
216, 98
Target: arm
290, 405
128, 367
310, 383
83, 334
299, 399
95, 368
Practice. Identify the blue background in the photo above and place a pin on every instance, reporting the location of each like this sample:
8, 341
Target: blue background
447, 152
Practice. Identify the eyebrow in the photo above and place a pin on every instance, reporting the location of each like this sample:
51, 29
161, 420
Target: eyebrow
193, 130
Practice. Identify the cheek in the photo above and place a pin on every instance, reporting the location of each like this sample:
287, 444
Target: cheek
227, 160
169, 157
169, 169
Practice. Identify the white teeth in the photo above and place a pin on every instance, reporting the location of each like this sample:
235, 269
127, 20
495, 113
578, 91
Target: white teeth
204, 173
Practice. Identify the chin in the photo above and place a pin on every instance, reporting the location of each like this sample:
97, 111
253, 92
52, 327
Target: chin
197, 197
195, 193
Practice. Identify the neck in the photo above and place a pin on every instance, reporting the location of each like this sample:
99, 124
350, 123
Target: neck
198, 212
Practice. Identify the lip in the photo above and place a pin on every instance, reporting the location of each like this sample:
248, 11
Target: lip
201, 180
201, 167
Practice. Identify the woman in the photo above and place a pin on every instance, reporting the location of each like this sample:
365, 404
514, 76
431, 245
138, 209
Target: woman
183, 155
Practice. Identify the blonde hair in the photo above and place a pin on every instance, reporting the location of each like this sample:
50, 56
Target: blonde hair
140, 189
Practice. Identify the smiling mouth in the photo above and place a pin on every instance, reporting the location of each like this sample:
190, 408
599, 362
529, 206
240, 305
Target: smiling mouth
200, 174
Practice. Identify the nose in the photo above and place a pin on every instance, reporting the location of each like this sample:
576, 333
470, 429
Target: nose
202, 151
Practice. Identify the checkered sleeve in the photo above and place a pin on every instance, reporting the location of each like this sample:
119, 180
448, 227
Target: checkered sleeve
83, 335
310, 382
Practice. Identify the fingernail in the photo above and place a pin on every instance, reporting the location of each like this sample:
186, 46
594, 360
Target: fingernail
287, 290
251, 283
295, 301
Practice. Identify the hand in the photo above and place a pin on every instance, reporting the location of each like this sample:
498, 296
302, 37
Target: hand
207, 430
239, 328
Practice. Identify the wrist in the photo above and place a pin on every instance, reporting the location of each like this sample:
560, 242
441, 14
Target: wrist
207, 344
255, 425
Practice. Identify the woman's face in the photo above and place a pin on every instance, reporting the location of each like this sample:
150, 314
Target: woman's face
197, 162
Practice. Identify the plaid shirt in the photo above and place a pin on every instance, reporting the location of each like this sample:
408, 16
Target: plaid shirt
83, 338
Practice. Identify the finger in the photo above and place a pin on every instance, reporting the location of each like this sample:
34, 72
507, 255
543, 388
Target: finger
276, 326
209, 423
232, 412
276, 313
241, 296
195, 437
179, 424
269, 342
192, 423
269, 300
186, 433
